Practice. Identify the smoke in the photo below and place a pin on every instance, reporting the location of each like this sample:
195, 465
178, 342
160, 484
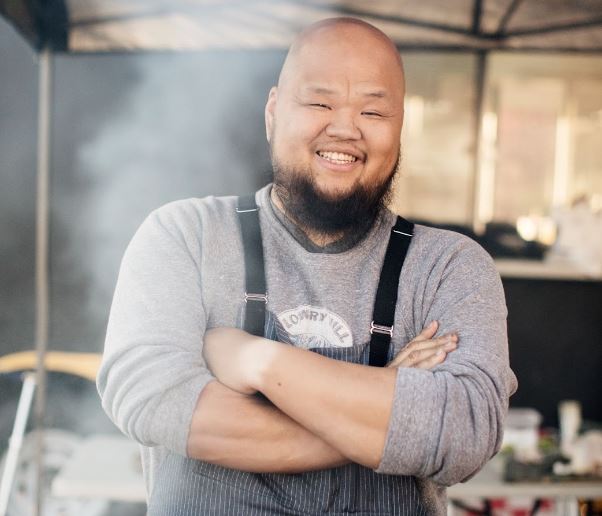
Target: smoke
174, 126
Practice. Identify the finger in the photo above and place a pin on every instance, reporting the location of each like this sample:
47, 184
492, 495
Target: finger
416, 352
437, 355
426, 358
428, 332
418, 346
432, 361
431, 343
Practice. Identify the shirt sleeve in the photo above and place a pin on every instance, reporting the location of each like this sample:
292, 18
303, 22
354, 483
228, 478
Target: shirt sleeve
152, 370
446, 423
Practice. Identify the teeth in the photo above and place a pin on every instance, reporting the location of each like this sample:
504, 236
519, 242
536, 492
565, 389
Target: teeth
337, 157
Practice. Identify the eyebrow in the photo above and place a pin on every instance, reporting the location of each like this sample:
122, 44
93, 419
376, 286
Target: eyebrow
379, 94
321, 90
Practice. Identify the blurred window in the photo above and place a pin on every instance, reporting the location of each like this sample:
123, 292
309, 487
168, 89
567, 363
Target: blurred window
541, 130
545, 147
438, 138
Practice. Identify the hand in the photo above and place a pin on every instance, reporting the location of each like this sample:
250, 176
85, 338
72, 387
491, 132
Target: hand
425, 352
235, 357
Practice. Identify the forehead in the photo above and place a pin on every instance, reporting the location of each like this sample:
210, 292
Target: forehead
353, 59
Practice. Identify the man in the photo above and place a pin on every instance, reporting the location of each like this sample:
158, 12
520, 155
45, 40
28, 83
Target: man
336, 434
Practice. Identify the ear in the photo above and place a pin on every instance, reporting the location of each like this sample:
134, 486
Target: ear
270, 108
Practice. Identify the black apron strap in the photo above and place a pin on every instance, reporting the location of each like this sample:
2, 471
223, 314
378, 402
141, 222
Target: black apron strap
381, 328
256, 296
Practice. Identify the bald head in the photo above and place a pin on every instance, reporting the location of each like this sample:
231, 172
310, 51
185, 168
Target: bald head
347, 33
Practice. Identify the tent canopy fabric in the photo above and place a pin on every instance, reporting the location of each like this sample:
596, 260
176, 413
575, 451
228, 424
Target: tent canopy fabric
158, 25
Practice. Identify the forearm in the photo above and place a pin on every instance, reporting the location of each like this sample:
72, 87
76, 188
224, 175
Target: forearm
242, 432
347, 405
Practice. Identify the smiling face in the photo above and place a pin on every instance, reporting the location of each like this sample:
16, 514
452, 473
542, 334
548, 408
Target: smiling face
337, 112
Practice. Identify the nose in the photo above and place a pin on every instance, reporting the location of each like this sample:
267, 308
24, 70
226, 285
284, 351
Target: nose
342, 125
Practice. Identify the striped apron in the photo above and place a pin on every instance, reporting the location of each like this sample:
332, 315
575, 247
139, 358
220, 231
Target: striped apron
188, 487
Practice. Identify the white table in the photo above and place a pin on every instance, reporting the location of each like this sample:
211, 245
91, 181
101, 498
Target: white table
108, 467
488, 484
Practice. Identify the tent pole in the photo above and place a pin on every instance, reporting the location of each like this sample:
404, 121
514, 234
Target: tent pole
479, 107
41, 273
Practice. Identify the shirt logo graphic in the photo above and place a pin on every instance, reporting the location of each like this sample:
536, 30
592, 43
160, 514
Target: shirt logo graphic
313, 327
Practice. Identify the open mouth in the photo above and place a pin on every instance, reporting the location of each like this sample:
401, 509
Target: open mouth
338, 158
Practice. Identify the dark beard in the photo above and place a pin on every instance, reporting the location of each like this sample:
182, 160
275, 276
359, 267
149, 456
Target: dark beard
330, 215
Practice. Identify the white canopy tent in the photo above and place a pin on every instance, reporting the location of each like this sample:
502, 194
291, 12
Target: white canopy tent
157, 25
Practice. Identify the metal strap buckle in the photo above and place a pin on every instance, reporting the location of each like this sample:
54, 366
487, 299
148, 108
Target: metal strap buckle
379, 328
256, 297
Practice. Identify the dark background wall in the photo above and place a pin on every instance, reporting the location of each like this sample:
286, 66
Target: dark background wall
122, 133
554, 334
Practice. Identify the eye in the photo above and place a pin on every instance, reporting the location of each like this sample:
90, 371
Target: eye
319, 106
372, 114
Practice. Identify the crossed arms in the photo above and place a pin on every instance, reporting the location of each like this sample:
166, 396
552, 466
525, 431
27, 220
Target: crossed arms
324, 412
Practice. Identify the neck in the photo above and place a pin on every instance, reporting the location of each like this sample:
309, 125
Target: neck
319, 239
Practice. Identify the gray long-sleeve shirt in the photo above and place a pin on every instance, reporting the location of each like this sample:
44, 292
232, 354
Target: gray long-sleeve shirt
183, 273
